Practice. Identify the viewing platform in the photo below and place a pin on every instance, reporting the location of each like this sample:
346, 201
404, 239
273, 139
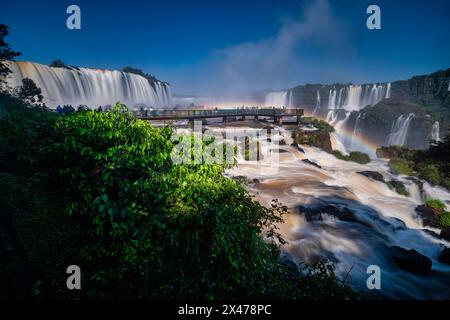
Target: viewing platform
276, 114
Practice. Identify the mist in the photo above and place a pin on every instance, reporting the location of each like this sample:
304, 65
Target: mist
279, 62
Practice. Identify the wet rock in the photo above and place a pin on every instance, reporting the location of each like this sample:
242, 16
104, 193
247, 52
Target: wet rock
411, 260
398, 186
315, 213
374, 175
430, 216
300, 149
255, 180
311, 163
445, 233
444, 256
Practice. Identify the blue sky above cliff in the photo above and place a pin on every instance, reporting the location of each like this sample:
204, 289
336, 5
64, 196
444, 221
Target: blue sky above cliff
223, 47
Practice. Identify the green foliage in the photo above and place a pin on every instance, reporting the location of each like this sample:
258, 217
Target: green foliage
321, 125
6, 54
435, 204
58, 63
398, 186
401, 166
354, 156
29, 92
137, 71
444, 219
429, 172
394, 152
439, 207
359, 157
338, 154
111, 200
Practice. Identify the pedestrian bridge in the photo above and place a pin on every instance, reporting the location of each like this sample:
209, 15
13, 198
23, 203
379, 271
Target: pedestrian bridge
276, 114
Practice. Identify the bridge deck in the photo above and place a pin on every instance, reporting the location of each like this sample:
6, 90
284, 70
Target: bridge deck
203, 114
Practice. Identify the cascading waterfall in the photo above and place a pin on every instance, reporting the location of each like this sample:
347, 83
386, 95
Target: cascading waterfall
353, 98
388, 91
435, 132
91, 87
332, 99
339, 100
277, 99
355, 131
290, 102
317, 108
382, 219
399, 130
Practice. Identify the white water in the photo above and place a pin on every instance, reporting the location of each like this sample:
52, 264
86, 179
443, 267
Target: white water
317, 108
435, 131
399, 130
92, 87
384, 218
355, 132
332, 99
277, 99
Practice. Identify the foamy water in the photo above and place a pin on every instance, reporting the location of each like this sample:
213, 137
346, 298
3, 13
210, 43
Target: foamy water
383, 218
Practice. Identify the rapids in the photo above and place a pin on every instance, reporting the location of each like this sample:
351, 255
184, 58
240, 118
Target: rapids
384, 218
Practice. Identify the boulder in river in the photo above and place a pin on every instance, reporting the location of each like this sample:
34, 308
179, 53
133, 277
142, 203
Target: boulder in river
374, 175
315, 213
411, 260
445, 233
430, 216
444, 256
315, 164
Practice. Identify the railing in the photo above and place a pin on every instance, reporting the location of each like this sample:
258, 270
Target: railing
211, 113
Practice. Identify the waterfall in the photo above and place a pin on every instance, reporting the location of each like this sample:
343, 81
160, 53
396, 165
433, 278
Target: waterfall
388, 91
435, 132
290, 103
332, 99
277, 99
339, 100
332, 116
91, 87
317, 102
353, 98
399, 130
355, 131
360, 96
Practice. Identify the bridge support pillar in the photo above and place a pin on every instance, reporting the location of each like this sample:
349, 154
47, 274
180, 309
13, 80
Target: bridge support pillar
278, 120
298, 119
224, 120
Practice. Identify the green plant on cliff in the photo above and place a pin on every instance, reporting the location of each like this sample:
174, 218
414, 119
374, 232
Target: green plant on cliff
100, 190
354, 156
401, 166
439, 207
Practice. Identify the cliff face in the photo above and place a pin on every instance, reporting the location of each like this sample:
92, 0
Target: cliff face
426, 96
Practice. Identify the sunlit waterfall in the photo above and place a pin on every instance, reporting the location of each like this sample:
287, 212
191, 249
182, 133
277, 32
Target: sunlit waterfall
277, 99
435, 131
91, 87
399, 130
317, 108
332, 99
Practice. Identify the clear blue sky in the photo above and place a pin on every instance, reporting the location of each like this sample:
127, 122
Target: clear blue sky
206, 47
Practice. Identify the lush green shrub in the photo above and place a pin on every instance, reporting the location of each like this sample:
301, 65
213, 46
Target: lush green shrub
444, 219
338, 154
354, 156
435, 204
401, 166
150, 228
359, 157
429, 172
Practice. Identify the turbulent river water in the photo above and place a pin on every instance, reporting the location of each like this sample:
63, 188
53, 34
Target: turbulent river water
384, 218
